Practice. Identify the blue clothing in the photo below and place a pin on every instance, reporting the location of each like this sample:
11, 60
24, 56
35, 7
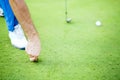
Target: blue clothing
8, 14
0, 6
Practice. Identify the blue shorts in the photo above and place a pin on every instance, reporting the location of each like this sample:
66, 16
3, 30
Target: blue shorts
9, 15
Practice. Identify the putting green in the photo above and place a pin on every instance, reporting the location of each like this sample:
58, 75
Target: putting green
76, 51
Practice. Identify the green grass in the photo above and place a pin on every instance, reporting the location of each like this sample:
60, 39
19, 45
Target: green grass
76, 51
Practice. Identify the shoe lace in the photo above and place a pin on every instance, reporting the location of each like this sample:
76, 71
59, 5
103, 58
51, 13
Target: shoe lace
19, 31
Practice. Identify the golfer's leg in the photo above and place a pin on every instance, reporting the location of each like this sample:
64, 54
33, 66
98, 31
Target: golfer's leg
22, 14
9, 16
16, 34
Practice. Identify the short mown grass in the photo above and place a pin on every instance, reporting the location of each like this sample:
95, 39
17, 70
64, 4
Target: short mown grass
76, 51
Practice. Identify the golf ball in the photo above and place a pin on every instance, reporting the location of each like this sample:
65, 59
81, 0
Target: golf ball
32, 59
68, 20
98, 23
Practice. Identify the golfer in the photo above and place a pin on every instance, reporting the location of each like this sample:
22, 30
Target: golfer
18, 21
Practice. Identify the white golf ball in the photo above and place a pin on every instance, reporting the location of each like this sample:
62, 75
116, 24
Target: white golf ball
32, 59
98, 23
68, 20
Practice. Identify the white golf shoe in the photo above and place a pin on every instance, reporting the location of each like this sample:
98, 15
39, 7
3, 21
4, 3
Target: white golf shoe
1, 12
18, 38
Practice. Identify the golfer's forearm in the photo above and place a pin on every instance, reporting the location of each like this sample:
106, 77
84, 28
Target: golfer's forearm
21, 12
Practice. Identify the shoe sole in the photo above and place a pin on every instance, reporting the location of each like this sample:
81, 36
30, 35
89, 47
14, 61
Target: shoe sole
19, 48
